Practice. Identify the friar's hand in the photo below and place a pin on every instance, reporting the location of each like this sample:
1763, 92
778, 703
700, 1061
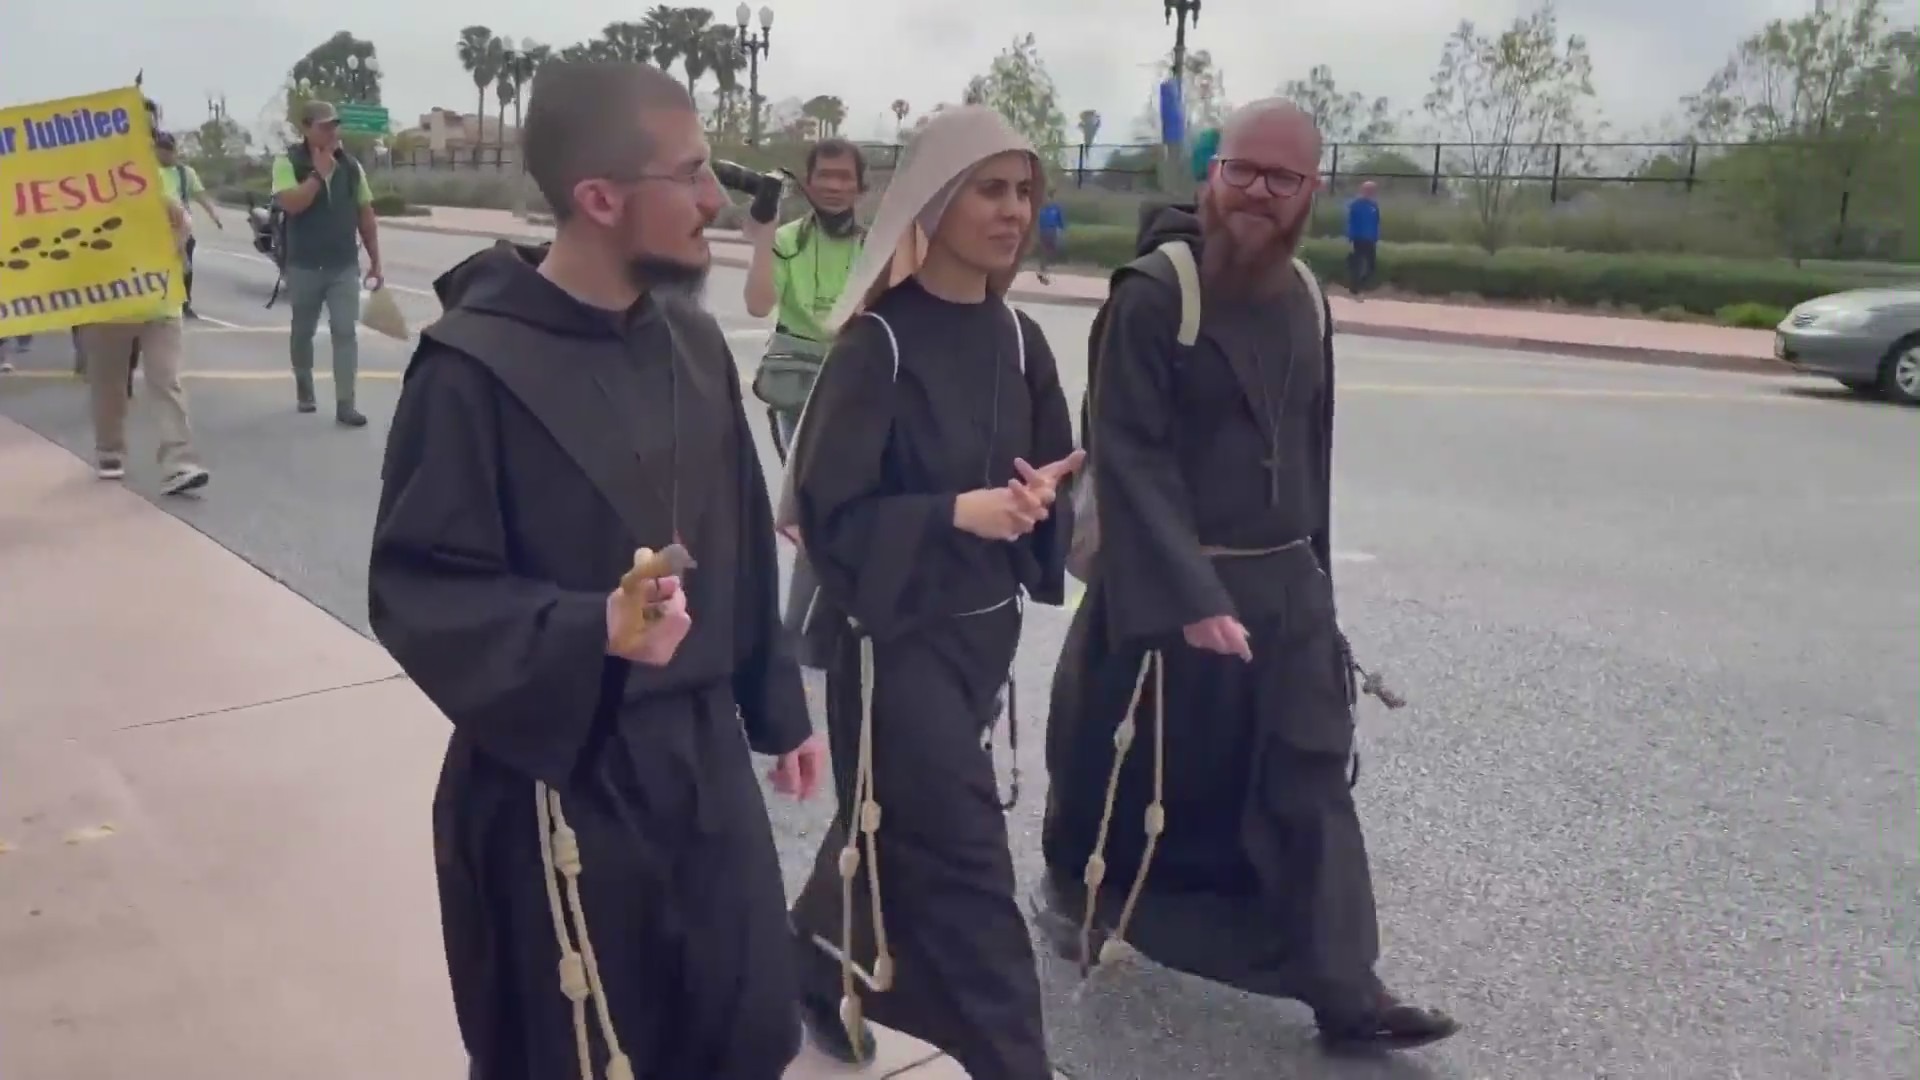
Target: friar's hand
1045, 481
647, 621
1002, 513
1221, 634
797, 772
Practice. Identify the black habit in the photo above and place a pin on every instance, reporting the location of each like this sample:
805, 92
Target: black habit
1213, 471
538, 442
878, 463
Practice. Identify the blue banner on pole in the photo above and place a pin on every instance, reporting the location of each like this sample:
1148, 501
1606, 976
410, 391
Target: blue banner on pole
1173, 118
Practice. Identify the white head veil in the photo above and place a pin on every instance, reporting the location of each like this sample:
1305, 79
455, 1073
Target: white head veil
931, 172
935, 165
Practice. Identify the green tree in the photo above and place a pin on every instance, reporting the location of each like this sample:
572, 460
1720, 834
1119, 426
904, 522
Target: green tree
829, 110
481, 54
324, 74
630, 42
726, 60
1342, 117
1826, 107
1019, 88
1507, 100
217, 145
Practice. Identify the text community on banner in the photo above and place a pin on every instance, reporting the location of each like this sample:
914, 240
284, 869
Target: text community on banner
84, 233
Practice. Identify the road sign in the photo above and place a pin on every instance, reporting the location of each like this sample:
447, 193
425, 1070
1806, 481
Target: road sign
363, 119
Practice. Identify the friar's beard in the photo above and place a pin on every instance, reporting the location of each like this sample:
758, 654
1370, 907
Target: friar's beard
1247, 270
669, 275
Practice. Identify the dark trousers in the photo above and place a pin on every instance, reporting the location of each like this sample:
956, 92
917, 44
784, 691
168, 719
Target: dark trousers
1362, 260
187, 266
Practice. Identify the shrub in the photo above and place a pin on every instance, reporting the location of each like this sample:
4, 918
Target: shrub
394, 204
1750, 316
1673, 284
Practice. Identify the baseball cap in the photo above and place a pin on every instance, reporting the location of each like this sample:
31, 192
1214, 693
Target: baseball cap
318, 112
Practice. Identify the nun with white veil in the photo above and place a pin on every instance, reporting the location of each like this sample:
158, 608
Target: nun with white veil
922, 489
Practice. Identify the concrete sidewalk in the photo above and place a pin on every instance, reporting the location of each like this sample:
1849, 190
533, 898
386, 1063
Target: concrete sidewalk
1605, 337
215, 850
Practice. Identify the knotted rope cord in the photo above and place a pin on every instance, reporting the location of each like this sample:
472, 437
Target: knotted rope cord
862, 829
579, 970
1156, 816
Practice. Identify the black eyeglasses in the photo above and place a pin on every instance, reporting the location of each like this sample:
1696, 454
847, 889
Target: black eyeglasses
1283, 183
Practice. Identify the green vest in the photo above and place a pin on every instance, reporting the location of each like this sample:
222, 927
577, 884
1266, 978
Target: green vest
327, 236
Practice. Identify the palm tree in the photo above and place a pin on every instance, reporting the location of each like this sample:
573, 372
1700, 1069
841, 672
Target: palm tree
680, 33
1089, 126
728, 61
663, 29
628, 41
900, 111
480, 54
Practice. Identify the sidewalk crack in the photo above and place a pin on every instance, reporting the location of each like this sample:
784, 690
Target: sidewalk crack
259, 704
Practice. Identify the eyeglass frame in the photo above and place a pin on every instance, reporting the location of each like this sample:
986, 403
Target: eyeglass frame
1264, 174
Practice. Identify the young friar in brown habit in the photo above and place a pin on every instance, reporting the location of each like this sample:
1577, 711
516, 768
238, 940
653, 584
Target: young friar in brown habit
923, 482
609, 891
1206, 651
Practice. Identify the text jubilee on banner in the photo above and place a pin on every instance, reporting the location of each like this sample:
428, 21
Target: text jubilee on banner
84, 232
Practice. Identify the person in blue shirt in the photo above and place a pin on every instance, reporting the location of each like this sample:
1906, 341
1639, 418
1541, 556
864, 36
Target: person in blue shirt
1052, 224
1363, 236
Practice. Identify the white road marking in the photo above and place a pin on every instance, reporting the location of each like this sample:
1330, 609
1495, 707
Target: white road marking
221, 323
246, 256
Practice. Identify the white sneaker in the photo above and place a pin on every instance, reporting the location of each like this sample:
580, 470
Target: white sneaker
110, 468
5, 366
185, 479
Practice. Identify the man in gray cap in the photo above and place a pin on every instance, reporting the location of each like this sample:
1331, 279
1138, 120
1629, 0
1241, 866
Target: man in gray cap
325, 194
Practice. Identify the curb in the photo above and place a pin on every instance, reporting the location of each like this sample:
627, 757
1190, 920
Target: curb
1633, 354
1748, 365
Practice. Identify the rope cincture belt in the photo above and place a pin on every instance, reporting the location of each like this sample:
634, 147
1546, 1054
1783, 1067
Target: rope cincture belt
862, 831
1156, 816
579, 968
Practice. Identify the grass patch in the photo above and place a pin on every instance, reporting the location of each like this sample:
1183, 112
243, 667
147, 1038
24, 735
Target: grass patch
1750, 316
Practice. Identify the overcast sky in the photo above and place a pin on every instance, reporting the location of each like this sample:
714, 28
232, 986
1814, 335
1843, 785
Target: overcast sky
1646, 52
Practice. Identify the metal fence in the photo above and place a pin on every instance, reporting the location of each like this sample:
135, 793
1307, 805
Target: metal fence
1558, 166
1866, 213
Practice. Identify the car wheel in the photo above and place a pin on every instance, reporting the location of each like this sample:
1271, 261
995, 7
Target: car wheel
1900, 371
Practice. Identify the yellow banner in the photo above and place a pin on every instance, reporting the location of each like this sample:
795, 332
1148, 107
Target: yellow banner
84, 231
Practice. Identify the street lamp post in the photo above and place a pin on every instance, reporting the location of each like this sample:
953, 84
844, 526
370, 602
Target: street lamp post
360, 87
1180, 13
755, 46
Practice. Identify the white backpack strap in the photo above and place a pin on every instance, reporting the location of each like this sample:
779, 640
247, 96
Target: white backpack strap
1020, 339
1187, 269
1314, 293
892, 341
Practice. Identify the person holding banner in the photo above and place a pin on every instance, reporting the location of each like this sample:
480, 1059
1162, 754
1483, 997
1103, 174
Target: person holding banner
108, 349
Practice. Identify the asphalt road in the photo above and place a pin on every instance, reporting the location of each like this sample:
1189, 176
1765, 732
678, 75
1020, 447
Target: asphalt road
1652, 810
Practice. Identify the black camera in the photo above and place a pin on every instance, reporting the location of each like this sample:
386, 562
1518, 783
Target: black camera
764, 189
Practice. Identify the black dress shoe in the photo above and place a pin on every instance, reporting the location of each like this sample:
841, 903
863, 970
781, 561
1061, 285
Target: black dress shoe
1384, 1025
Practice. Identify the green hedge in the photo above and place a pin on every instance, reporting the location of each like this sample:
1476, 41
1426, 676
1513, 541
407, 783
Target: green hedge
1698, 285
